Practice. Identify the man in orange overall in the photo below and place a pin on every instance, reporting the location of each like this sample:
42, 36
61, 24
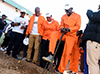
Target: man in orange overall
71, 22
48, 27
75, 55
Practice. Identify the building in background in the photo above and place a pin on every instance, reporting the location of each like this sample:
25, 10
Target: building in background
12, 9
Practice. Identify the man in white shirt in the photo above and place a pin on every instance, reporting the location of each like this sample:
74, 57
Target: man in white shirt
34, 28
17, 33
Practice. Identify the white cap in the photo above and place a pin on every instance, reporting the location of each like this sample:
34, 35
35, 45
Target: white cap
22, 10
67, 6
26, 41
48, 15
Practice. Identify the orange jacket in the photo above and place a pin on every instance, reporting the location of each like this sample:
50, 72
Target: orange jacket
41, 19
48, 28
73, 22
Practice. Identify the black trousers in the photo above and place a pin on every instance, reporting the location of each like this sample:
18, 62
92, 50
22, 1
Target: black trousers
25, 51
6, 41
14, 44
59, 53
44, 48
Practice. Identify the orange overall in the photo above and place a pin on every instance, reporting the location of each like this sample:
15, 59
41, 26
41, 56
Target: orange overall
75, 55
74, 23
48, 28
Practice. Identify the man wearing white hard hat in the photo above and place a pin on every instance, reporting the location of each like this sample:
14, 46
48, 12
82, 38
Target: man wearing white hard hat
70, 23
49, 26
17, 34
73, 66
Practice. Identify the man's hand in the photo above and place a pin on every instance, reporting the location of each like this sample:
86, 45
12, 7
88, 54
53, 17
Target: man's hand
22, 27
25, 36
5, 33
67, 29
62, 30
16, 24
3, 22
81, 50
40, 38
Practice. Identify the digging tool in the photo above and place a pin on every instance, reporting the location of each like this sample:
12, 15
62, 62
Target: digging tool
51, 66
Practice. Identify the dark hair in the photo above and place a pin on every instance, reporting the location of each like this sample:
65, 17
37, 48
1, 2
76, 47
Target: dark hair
99, 7
37, 8
4, 15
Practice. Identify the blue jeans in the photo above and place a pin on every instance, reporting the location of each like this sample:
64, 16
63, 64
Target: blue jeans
1, 32
85, 63
14, 43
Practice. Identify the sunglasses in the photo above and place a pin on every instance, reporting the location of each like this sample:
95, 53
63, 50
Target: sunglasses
66, 10
22, 12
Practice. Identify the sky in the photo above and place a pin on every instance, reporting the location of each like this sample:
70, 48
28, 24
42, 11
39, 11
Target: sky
56, 7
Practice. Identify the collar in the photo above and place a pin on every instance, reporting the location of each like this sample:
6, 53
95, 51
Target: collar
39, 15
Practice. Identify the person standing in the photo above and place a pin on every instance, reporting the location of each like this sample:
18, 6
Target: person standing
71, 23
34, 28
48, 27
7, 32
17, 33
92, 37
75, 55
3, 23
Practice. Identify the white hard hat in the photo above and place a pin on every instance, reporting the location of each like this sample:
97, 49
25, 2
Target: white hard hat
26, 41
67, 6
22, 10
48, 15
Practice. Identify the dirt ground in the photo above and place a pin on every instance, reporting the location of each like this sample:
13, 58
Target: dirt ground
9, 65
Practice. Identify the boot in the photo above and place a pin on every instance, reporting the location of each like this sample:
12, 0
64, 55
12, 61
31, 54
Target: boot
48, 58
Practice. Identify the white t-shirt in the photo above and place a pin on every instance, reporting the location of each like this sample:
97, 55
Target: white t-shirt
23, 21
50, 22
35, 27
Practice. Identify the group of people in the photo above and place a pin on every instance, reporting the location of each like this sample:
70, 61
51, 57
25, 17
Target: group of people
44, 35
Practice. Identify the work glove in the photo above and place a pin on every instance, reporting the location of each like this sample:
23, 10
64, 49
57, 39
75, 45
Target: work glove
67, 29
62, 30
40, 39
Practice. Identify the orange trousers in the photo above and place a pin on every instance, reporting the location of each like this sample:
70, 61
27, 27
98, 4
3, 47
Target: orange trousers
75, 55
69, 43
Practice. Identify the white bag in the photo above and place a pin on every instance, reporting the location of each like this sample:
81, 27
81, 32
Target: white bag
26, 41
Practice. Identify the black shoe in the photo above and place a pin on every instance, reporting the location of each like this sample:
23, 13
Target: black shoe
56, 70
7, 54
34, 63
17, 58
28, 61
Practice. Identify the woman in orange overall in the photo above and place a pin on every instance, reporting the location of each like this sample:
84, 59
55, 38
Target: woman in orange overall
71, 22
48, 27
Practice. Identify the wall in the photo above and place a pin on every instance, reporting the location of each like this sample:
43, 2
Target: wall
9, 10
